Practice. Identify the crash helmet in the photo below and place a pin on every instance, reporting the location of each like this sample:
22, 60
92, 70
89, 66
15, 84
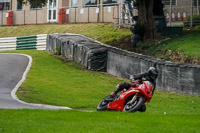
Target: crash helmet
152, 73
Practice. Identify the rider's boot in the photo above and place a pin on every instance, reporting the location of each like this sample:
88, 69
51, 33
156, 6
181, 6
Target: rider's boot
113, 93
142, 108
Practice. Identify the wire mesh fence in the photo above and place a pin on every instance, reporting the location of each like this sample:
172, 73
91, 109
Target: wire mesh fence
80, 14
175, 15
182, 15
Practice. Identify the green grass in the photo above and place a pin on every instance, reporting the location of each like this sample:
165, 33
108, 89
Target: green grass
103, 32
51, 81
186, 45
35, 121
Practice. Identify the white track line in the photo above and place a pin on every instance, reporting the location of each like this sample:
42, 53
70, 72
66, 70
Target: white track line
13, 92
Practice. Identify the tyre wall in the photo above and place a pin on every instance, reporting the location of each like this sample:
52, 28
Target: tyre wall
82, 50
96, 56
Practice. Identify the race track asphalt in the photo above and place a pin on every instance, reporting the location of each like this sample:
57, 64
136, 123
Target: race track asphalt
12, 69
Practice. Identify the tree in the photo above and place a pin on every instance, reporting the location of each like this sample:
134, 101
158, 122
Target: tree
146, 11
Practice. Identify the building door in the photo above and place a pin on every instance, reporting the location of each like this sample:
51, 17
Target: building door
52, 11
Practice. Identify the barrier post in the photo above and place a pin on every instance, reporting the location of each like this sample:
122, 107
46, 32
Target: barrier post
2, 18
24, 17
191, 15
36, 16
170, 18
88, 14
75, 14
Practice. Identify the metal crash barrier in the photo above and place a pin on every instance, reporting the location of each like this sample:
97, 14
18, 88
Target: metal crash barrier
37, 42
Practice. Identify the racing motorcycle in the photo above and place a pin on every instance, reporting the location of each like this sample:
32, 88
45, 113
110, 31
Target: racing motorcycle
130, 100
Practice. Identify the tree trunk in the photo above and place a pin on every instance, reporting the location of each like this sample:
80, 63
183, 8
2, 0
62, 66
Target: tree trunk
146, 19
151, 27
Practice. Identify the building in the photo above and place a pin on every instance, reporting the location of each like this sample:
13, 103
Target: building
84, 11
74, 11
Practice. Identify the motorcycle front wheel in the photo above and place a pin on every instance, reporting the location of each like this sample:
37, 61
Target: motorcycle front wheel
104, 103
135, 104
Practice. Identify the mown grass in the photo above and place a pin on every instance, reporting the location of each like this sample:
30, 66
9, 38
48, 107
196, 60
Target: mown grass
51, 81
186, 45
49, 121
103, 32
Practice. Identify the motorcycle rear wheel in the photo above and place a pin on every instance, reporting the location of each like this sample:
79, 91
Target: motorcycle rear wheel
134, 105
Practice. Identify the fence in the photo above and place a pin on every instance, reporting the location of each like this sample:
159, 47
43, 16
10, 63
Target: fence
181, 14
175, 15
102, 13
22, 43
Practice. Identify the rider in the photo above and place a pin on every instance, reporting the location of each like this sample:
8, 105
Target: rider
151, 76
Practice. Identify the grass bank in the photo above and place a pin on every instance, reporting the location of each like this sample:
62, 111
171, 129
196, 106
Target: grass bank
103, 32
183, 48
52, 81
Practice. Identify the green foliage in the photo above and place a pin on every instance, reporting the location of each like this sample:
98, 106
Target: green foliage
197, 27
185, 46
58, 51
195, 21
36, 3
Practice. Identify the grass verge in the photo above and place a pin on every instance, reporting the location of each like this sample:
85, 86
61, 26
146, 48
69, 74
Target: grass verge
103, 32
51, 81
48, 121
183, 48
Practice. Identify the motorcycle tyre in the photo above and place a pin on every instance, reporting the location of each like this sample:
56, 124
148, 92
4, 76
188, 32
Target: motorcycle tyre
103, 108
139, 104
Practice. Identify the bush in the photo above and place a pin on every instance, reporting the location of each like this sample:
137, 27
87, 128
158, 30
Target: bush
197, 27
195, 21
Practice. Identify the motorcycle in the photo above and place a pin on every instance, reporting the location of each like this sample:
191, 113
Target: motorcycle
130, 100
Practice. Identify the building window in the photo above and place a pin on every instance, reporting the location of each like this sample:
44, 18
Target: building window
89, 3
35, 6
109, 2
167, 2
74, 3
19, 5
4, 4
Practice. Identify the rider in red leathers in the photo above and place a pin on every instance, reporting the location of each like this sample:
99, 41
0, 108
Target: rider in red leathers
150, 75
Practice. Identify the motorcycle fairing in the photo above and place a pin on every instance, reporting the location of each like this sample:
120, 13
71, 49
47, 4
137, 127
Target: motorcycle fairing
119, 103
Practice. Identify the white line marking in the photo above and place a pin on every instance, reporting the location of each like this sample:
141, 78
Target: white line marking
13, 92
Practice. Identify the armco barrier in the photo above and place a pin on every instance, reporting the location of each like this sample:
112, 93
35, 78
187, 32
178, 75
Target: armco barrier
22, 43
172, 77
94, 55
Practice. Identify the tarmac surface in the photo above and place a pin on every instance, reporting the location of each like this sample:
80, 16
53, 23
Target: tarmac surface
13, 69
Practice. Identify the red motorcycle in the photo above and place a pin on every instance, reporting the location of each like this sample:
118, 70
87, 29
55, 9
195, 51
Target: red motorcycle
130, 100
